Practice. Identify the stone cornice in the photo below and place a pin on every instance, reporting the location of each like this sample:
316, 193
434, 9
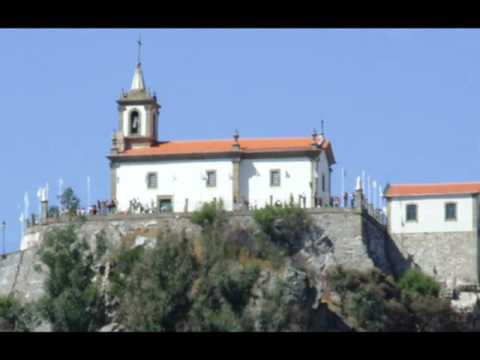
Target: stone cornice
234, 155
147, 101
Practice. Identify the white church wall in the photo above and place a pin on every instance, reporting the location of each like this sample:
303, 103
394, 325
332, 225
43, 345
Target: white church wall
143, 116
181, 179
255, 180
431, 214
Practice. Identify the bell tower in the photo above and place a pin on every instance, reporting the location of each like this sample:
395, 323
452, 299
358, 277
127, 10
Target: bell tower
138, 111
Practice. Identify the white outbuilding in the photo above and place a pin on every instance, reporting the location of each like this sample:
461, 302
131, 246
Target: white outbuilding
436, 226
180, 176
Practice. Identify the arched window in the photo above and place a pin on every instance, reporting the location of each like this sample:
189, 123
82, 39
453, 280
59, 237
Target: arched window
134, 122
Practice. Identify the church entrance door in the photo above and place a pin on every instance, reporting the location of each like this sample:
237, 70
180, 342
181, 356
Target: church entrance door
165, 203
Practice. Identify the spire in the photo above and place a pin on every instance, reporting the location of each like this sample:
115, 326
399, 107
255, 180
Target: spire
138, 83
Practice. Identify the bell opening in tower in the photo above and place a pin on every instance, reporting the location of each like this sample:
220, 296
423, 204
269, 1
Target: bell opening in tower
134, 123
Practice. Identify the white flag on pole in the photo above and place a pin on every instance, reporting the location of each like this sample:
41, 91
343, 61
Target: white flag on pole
359, 183
60, 185
363, 182
380, 196
26, 203
369, 189
88, 191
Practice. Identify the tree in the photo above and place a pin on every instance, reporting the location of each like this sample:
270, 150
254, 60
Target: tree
72, 300
53, 211
154, 295
69, 201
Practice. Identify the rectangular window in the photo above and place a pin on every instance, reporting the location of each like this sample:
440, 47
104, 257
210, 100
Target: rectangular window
412, 212
165, 203
323, 182
152, 180
451, 211
274, 177
211, 178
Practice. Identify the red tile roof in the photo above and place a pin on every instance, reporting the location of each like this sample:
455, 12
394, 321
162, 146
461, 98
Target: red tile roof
432, 189
248, 146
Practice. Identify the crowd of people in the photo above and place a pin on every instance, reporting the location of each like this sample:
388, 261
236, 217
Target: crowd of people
348, 201
136, 207
102, 207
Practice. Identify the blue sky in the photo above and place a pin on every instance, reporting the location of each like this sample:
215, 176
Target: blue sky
400, 104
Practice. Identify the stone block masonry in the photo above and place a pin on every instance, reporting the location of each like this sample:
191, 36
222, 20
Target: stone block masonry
451, 257
352, 239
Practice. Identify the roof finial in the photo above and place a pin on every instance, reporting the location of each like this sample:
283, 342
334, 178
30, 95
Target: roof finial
236, 144
322, 130
139, 42
314, 135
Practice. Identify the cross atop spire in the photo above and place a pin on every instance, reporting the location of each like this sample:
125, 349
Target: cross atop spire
138, 83
139, 42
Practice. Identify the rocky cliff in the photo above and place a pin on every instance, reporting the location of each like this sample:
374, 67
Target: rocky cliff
346, 237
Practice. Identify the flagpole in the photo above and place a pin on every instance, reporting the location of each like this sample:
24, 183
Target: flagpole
368, 189
364, 188
88, 192
380, 196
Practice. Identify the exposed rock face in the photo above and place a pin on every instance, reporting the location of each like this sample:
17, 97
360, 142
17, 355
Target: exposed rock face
337, 237
466, 302
112, 327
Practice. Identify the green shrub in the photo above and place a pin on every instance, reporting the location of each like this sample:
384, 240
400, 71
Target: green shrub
17, 317
368, 307
72, 301
285, 225
155, 294
122, 265
278, 313
376, 303
101, 243
9, 313
415, 283
210, 213
222, 294
166, 288
433, 314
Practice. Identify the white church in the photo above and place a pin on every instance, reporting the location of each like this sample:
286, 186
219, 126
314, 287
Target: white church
180, 176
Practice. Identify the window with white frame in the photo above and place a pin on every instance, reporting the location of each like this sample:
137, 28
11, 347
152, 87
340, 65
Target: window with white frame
275, 177
152, 180
450, 211
411, 212
211, 178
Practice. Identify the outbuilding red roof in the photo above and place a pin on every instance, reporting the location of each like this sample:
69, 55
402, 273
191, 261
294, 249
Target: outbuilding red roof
432, 189
248, 146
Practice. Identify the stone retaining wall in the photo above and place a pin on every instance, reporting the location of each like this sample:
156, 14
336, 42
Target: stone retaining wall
451, 257
358, 241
